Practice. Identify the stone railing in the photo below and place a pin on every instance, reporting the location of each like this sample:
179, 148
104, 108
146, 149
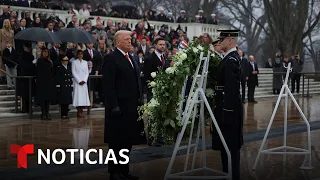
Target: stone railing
193, 29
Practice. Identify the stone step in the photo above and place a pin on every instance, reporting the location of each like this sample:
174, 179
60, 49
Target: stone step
7, 103
3, 87
7, 92
305, 85
276, 95
7, 98
260, 93
270, 80
268, 89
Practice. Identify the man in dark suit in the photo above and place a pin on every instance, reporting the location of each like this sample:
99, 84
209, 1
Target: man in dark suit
143, 47
92, 55
229, 108
54, 54
153, 62
122, 88
253, 72
19, 43
72, 22
244, 74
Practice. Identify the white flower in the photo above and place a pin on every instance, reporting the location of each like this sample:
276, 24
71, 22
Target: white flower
153, 102
178, 63
200, 47
170, 70
153, 84
195, 50
209, 92
153, 74
213, 55
182, 56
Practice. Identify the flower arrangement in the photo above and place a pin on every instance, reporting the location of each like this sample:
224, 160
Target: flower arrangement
163, 110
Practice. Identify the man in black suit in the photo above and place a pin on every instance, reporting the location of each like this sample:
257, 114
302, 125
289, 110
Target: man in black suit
253, 72
244, 74
153, 62
54, 55
143, 47
90, 54
19, 43
122, 88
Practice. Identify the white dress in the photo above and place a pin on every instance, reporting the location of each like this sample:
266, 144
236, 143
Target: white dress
80, 72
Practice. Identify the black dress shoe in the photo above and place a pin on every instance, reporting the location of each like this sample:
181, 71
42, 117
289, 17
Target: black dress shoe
118, 177
129, 176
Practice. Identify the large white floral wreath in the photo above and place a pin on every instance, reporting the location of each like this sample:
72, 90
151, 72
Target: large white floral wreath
162, 111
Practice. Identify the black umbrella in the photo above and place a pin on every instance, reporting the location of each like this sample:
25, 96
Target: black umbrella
75, 35
37, 34
58, 4
122, 4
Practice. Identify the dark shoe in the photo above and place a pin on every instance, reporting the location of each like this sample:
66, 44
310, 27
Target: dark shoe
118, 177
48, 116
129, 176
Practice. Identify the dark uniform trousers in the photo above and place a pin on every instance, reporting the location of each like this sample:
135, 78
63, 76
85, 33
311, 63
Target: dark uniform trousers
251, 89
119, 168
64, 109
243, 88
235, 163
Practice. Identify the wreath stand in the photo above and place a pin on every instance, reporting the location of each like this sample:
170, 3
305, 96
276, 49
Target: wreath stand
194, 100
285, 92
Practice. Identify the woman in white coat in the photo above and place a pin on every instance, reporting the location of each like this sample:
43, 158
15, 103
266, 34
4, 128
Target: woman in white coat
80, 73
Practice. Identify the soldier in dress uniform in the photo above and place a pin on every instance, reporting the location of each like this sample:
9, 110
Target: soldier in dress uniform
64, 86
182, 18
202, 19
229, 109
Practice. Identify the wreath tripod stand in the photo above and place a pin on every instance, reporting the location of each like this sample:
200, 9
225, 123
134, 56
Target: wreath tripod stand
285, 92
195, 100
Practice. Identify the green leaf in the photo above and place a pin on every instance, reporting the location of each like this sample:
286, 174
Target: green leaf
172, 124
166, 122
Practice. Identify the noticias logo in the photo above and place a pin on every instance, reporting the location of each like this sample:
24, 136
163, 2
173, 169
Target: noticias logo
83, 155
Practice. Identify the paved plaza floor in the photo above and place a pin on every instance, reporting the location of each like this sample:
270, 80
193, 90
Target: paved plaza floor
150, 163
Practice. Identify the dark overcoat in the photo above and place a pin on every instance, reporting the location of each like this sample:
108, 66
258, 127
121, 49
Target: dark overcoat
229, 109
252, 78
64, 80
277, 78
45, 83
25, 68
122, 87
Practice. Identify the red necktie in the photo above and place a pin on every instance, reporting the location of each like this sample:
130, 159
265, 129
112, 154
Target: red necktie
162, 60
91, 53
127, 56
